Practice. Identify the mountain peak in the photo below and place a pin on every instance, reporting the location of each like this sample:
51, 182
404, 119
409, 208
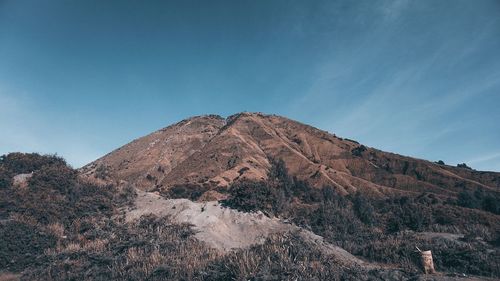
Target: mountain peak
212, 152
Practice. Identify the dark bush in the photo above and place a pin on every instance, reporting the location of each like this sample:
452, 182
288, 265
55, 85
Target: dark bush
463, 165
253, 196
364, 209
491, 204
57, 177
22, 245
405, 213
358, 151
479, 199
278, 173
54, 193
192, 192
467, 200
21, 163
5, 177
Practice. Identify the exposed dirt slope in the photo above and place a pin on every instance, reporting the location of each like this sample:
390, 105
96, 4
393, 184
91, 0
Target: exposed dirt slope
147, 160
211, 151
224, 228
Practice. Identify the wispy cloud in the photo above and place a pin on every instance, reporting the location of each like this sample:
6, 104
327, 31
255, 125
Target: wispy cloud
485, 158
488, 161
402, 96
392, 9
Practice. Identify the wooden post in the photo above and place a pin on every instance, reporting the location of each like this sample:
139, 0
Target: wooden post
427, 261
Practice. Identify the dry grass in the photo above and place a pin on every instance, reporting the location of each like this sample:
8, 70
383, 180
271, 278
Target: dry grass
28, 220
151, 247
284, 257
57, 229
7, 276
88, 246
66, 230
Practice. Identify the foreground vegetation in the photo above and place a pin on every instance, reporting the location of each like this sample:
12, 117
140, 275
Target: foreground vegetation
58, 227
462, 232
55, 226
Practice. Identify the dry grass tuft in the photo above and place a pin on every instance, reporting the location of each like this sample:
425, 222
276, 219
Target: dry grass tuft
57, 229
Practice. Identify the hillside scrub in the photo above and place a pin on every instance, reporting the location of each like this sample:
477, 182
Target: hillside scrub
60, 228
54, 198
387, 229
289, 257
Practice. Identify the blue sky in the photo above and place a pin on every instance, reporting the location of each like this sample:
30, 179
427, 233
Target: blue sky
418, 78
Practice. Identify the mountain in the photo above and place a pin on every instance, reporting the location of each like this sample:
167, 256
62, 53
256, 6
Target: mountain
248, 197
214, 152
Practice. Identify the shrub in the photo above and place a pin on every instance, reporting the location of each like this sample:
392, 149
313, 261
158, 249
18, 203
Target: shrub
479, 199
5, 177
22, 245
253, 196
491, 204
405, 213
358, 151
57, 177
192, 192
101, 172
364, 209
22, 163
278, 173
54, 194
463, 165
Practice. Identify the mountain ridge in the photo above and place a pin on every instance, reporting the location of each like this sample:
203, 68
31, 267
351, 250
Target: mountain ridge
213, 152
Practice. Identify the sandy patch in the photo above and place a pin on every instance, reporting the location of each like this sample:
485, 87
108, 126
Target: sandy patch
224, 228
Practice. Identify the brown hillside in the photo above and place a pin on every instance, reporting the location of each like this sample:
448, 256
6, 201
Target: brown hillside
211, 151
